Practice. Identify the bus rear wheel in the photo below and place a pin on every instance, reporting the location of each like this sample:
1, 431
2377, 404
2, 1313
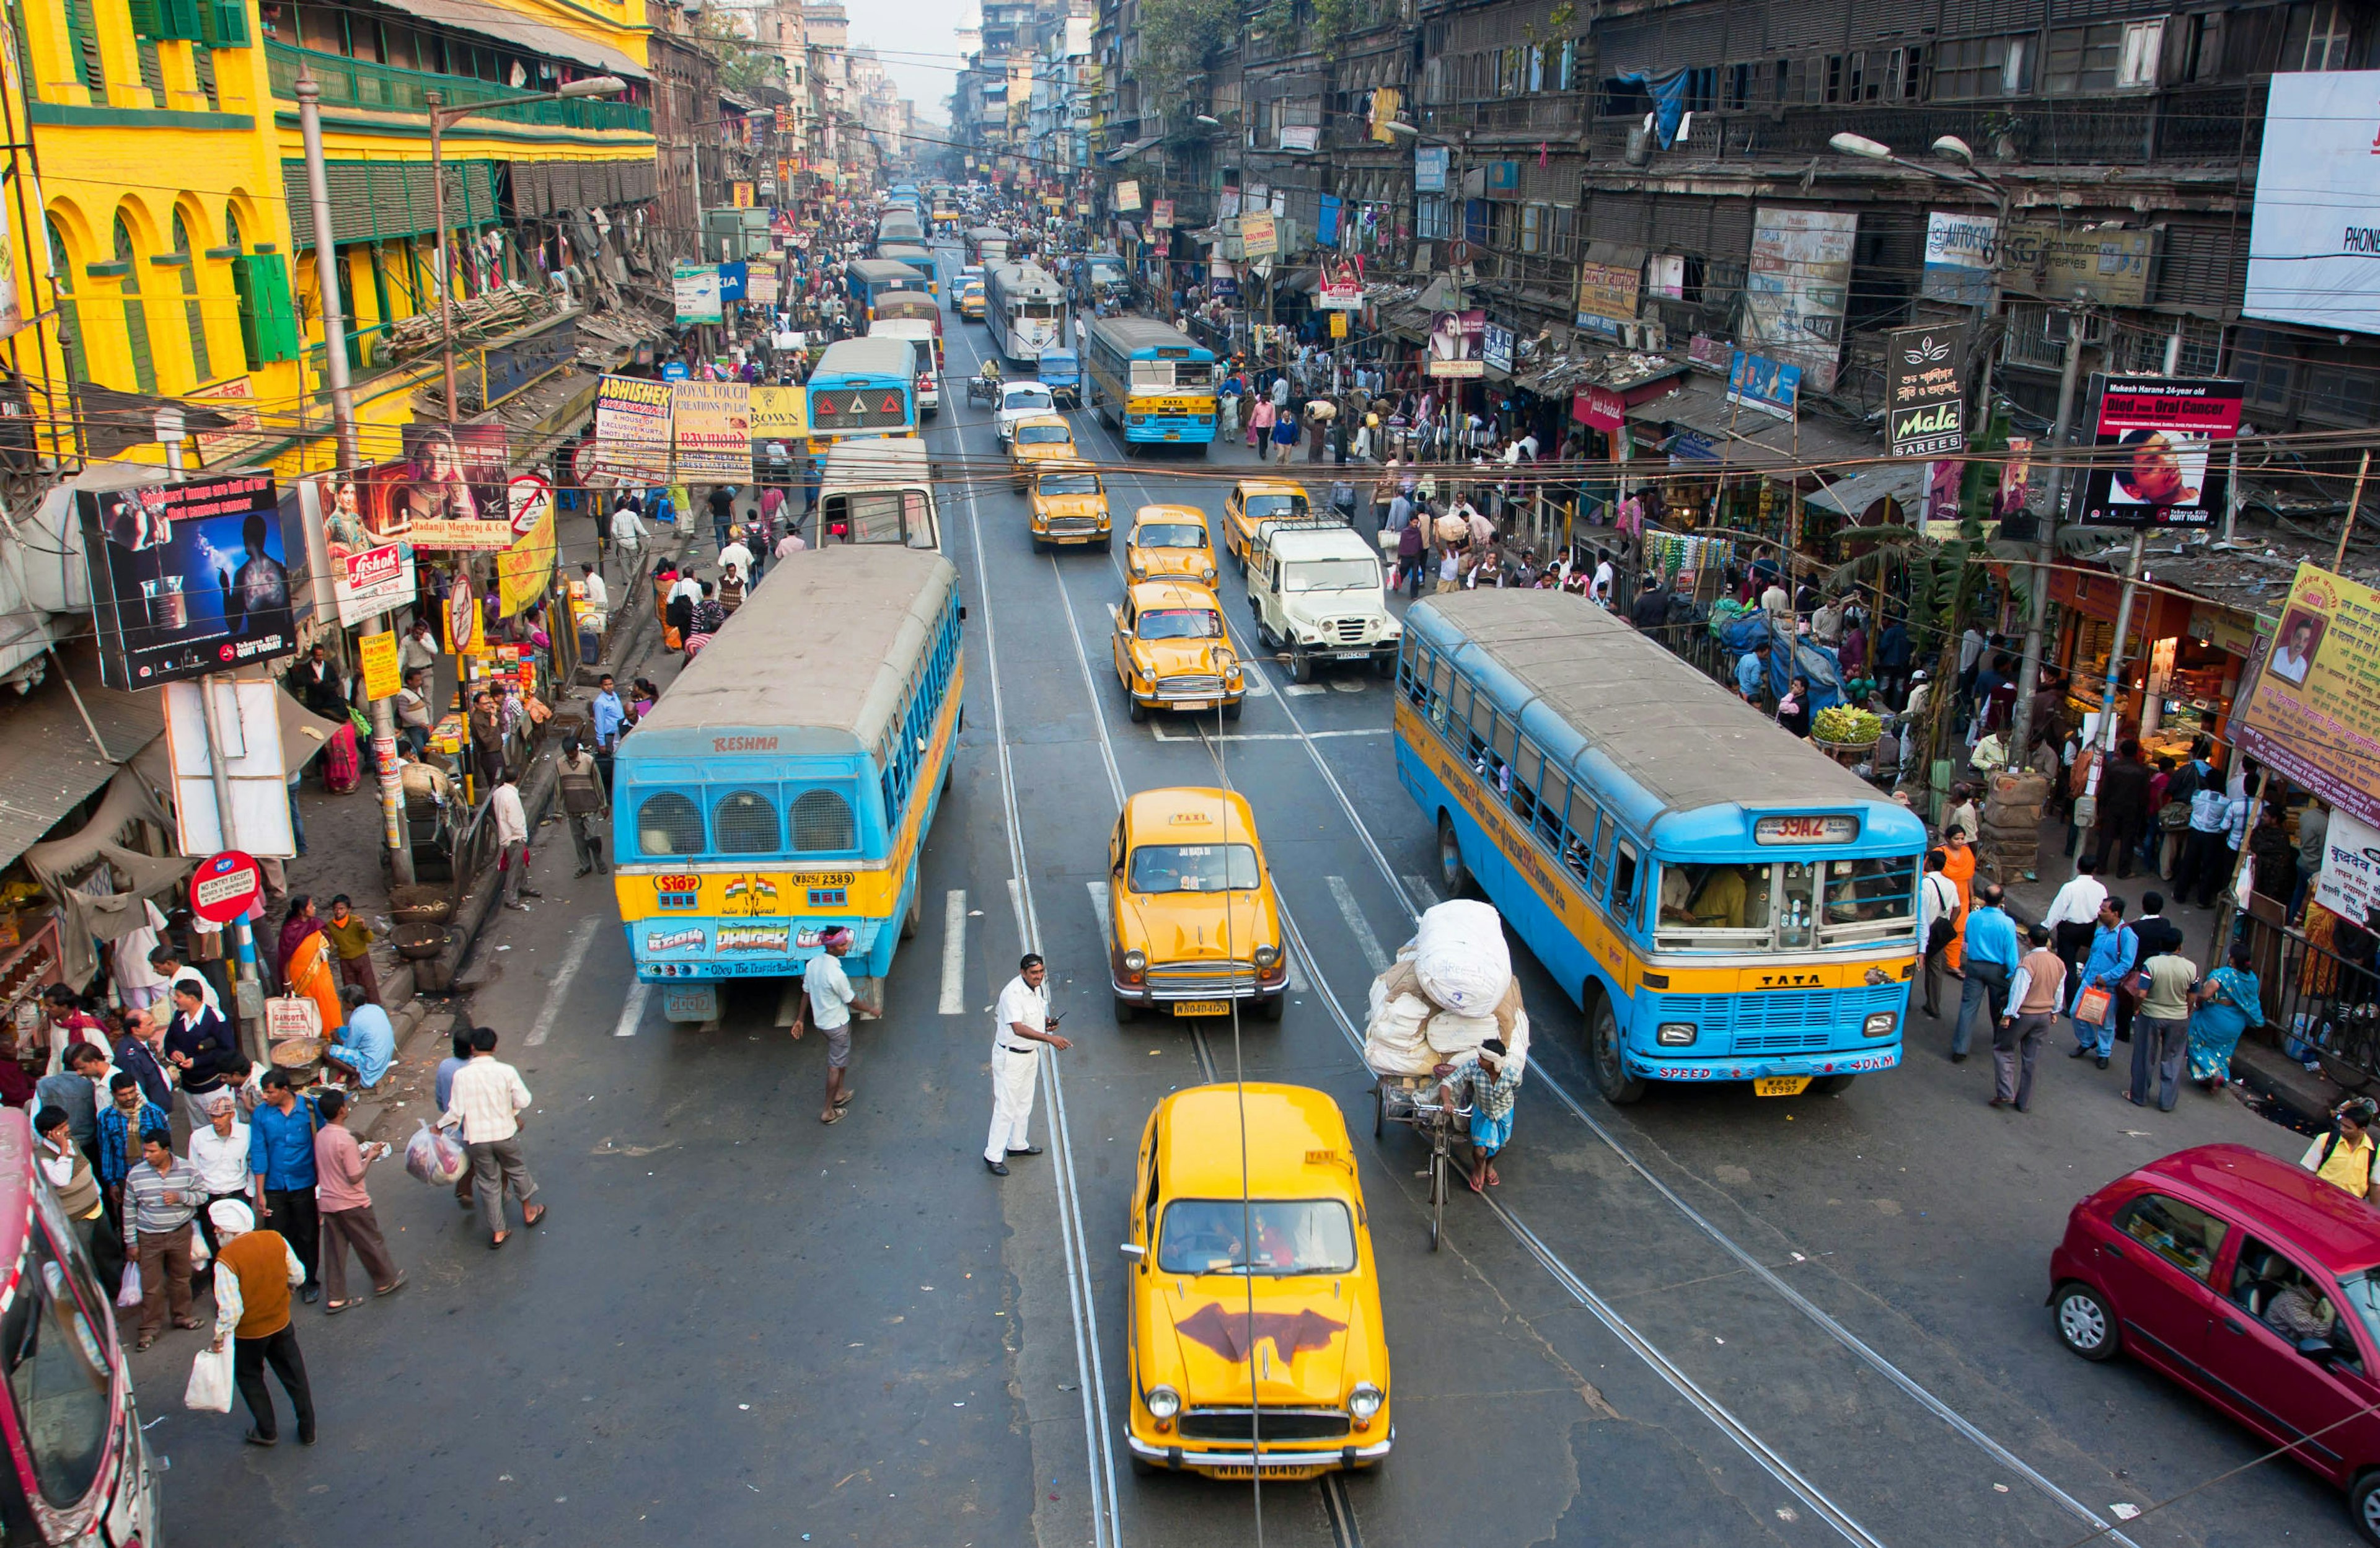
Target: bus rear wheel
1831, 1085
915, 916
1603, 1051
1453, 875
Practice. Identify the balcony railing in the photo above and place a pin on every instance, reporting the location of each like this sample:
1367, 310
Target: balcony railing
386, 89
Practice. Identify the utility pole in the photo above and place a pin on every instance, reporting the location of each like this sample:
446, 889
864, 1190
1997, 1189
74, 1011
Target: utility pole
2046, 548
343, 419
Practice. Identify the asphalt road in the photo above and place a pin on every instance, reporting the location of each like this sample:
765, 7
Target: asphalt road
1707, 1319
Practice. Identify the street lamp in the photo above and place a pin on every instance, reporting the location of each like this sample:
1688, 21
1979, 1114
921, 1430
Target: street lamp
441, 117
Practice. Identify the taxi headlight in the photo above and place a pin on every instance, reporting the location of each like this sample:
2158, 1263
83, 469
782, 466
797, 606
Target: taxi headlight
1133, 962
1139, 570
1880, 1024
1365, 1401
1208, 574
1673, 1035
1265, 956
1163, 1402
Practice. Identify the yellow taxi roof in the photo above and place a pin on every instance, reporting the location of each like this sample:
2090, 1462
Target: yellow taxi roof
1188, 813
1198, 1144
1173, 592
1038, 419
1169, 513
1246, 486
1050, 468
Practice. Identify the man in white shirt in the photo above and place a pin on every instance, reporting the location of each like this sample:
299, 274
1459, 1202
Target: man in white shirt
512, 841
627, 534
736, 556
687, 586
830, 997
599, 595
2073, 914
219, 1154
1600, 589
1938, 900
486, 1102
1021, 1020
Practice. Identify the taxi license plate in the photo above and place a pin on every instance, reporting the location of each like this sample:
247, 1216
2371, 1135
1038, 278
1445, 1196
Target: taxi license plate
1202, 1008
1781, 1085
1194, 704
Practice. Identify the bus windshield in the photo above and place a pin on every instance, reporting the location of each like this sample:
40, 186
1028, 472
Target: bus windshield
1193, 868
58, 1376
1785, 905
1181, 623
1292, 1235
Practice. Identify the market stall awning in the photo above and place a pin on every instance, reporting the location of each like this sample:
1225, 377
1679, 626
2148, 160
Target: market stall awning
1901, 482
1748, 438
48, 766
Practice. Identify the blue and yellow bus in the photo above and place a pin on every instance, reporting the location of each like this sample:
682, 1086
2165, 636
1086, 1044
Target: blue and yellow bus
869, 280
1152, 382
785, 784
1723, 902
862, 387
917, 259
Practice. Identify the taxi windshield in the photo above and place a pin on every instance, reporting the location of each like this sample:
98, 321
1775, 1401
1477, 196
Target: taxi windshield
1043, 435
1181, 623
1071, 483
1193, 868
1292, 1236
1331, 575
1261, 507
1170, 535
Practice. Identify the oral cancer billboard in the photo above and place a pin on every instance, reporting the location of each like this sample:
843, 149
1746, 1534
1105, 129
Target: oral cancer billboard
2155, 465
2314, 245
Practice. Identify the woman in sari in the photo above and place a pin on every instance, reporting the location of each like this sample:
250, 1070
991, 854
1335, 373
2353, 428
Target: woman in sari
1958, 847
2229, 1003
306, 958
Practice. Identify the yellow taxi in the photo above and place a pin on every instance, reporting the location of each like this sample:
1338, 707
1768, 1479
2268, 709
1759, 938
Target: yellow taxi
1192, 922
971, 300
1043, 438
1069, 505
1172, 652
1169, 540
1253, 500
1308, 1369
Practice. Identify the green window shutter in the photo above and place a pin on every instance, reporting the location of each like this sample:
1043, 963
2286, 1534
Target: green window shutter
152, 72
181, 18
148, 18
71, 342
279, 334
136, 331
248, 277
223, 22
82, 29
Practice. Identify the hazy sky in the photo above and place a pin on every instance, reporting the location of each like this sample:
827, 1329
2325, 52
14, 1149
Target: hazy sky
918, 44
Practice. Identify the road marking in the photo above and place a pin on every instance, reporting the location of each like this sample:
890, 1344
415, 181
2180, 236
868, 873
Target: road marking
1165, 736
573, 956
1098, 891
1345, 686
1419, 886
1302, 689
789, 1002
955, 917
1357, 926
634, 1011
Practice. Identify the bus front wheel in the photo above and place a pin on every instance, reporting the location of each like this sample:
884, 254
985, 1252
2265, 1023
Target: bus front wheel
1831, 1085
1453, 877
1603, 1051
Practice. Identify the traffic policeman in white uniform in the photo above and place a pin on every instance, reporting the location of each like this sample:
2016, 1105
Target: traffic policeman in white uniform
1021, 1020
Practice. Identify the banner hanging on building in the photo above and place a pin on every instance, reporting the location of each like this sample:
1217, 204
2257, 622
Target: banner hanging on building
1960, 249
1258, 237
695, 288
1799, 279
1342, 285
2311, 709
1456, 341
449, 490
1127, 195
2155, 465
369, 573
1925, 401
2349, 884
2314, 243
187, 579
1770, 386
713, 430
1610, 289
632, 427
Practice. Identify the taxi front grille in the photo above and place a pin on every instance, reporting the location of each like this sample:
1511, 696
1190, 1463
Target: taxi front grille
1190, 685
1268, 1424
1202, 977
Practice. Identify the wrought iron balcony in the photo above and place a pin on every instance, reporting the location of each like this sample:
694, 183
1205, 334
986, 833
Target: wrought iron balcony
387, 89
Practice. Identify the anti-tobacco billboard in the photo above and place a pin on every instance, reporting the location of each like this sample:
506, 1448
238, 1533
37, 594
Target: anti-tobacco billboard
2155, 463
187, 579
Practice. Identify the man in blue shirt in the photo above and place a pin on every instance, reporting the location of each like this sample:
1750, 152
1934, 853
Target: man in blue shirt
121, 1124
2113, 947
1991, 955
280, 1155
366, 1046
610, 713
1752, 672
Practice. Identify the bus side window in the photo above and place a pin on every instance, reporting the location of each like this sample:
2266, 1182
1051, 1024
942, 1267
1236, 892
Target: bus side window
1578, 845
1602, 872
1624, 885
1483, 728
1529, 767
1551, 797
1455, 710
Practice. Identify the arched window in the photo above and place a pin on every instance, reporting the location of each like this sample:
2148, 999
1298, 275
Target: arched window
231, 229
136, 317
191, 311
69, 320
669, 824
822, 823
746, 822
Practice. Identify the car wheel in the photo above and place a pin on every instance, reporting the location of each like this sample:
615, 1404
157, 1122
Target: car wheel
1143, 1467
1604, 1054
2087, 1327
1040, 547
2363, 1499
1268, 1006
1136, 711
1125, 1010
1301, 665
1232, 711
1831, 1085
1453, 875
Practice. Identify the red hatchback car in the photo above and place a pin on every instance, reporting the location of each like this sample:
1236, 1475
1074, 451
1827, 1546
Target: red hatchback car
2252, 1283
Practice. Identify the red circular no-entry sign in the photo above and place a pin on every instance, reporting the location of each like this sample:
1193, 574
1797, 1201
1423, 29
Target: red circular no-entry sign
224, 887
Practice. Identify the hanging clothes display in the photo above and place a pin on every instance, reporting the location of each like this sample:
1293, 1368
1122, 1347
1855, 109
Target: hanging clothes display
1669, 555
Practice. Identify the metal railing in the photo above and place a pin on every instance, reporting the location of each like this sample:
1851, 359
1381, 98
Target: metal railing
387, 89
2317, 1002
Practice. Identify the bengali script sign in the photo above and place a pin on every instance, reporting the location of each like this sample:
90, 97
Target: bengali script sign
2313, 710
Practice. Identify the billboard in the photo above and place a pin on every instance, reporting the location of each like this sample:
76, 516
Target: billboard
1496, 347
449, 490
713, 430
1258, 237
2109, 266
2155, 465
1342, 285
1429, 168
1961, 250
2314, 243
1799, 279
1127, 195
632, 427
1608, 289
370, 573
187, 579
1456, 343
1925, 409
695, 287
2311, 707
1770, 386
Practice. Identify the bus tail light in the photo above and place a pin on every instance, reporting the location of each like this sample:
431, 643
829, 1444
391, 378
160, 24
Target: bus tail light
1675, 1034
1881, 1024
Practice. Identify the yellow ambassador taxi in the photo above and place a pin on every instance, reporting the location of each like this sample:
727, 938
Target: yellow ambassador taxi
1192, 922
1044, 438
1069, 505
1170, 540
971, 302
1256, 500
1171, 653
1306, 1375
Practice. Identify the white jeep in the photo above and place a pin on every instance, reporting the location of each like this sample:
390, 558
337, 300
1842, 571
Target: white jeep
1314, 588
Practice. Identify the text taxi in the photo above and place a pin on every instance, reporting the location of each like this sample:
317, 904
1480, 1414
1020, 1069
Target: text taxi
1256, 1341
1171, 652
1069, 505
1256, 500
1194, 922
1170, 540
1043, 438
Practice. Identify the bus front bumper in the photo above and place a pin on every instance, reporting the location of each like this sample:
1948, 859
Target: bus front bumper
1812, 1066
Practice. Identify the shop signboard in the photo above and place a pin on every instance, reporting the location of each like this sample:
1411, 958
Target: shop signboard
1342, 286
187, 579
760, 284
2107, 267
1338, 325
713, 430
695, 289
1258, 237
1456, 341
1300, 137
1798, 281
2312, 709
1771, 386
1496, 347
1599, 406
743, 196
447, 492
1160, 214
1127, 195
2154, 466
632, 427
2349, 883
2233, 633
731, 281
1960, 251
1609, 292
1924, 413
1429, 168
2313, 247
235, 400
371, 574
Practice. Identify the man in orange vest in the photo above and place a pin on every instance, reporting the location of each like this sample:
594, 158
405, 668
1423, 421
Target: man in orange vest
252, 1309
